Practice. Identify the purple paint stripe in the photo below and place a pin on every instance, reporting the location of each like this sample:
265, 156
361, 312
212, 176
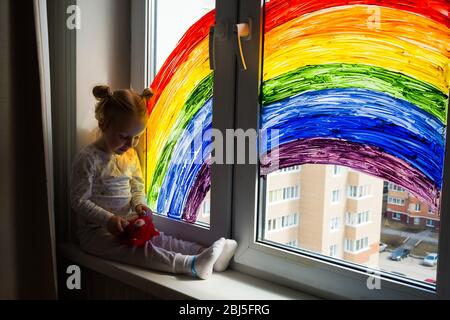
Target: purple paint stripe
368, 159
197, 193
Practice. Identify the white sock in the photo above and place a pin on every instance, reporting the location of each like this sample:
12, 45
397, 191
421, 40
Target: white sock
225, 257
204, 262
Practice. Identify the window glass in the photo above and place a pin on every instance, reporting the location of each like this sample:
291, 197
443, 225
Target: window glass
178, 139
362, 87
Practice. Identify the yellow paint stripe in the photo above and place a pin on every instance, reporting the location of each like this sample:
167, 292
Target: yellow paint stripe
171, 101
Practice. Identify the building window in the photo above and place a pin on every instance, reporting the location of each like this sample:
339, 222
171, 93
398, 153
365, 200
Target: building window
336, 196
275, 195
354, 219
206, 207
291, 193
417, 207
358, 191
394, 187
355, 246
292, 243
337, 170
430, 223
396, 201
396, 216
334, 223
333, 250
290, 169
416, 221
283, 222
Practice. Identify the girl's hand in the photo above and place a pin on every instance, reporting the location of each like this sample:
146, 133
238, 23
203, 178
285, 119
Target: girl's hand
116, 225
142, 209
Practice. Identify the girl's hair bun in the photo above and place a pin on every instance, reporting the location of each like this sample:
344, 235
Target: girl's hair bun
147, 93
101, 92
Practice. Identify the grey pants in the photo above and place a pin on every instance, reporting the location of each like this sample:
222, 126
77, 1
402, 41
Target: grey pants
162, 253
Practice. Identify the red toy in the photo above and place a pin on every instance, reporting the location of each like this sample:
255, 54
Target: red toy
139, 231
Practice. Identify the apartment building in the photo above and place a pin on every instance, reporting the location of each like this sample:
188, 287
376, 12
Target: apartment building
204, 211
404, 207
328, 209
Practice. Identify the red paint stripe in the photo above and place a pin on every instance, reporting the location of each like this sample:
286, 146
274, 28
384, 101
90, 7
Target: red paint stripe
196, 33
281, 11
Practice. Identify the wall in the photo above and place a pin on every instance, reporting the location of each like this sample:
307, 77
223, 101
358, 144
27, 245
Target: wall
8, 264
103, 45
25, 233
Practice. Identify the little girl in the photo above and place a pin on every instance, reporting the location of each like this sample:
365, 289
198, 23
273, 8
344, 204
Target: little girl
107, 189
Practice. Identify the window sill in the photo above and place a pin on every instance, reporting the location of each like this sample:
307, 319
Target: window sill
233, 285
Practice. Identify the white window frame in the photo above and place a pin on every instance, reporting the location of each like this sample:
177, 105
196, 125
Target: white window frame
355, 246
334, 250
396, 201
361, 191
264, 260
394, 187
337, 170
334, 224
345, 280
337, 199
287, 170
353, 219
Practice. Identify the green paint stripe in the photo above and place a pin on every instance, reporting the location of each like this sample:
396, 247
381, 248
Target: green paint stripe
201, 93
338, 75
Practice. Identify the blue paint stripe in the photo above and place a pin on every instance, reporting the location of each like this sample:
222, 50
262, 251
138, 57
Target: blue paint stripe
189, 153
362, 116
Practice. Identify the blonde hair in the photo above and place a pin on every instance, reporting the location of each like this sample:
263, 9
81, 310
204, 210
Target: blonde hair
112, 105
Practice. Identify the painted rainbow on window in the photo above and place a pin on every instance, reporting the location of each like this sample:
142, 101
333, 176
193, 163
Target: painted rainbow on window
362, 84
178, 176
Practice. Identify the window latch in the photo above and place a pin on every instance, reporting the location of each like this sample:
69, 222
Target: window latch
241, 30
220, 31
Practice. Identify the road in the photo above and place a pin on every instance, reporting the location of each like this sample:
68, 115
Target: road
425, 235
411, 267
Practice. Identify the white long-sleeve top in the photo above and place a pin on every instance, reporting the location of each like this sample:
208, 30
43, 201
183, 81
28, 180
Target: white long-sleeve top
104, 184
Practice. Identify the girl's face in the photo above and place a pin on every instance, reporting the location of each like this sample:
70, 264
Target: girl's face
121, 136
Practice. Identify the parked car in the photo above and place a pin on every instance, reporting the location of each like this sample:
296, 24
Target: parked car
399, 254
430, 280
383, 246
430, 259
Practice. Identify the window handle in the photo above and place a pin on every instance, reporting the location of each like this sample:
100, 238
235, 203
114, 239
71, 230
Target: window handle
212, 44
241, 30
217, 31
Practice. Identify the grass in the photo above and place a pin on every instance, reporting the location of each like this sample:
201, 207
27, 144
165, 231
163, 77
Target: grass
424, 248
393, 241
400, 226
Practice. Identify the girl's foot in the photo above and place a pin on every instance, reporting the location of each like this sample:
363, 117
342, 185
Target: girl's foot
225, 257
202, 264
